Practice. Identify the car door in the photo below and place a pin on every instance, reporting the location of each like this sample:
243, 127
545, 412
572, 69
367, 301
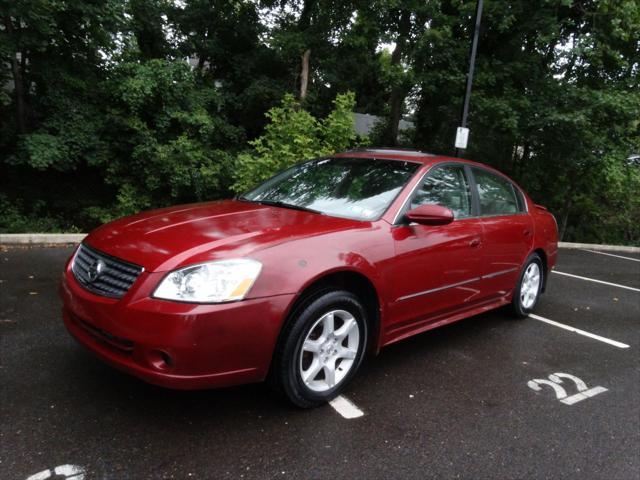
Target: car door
507, 230
437, 269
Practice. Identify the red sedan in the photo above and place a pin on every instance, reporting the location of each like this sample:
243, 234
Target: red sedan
297, 279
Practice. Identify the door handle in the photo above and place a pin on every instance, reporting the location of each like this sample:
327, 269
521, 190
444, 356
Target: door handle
474, 243
527, 232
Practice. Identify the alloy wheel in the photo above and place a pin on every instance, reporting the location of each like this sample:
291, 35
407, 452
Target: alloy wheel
329, 350
530, 285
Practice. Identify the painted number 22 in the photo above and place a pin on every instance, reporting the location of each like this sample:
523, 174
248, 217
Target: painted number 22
555, 381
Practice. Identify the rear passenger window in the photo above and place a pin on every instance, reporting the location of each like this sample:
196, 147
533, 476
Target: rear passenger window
446, 186
497, 196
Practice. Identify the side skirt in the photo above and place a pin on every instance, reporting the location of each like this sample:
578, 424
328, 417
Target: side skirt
405, 331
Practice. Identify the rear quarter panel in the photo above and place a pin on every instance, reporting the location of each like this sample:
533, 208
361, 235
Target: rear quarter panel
546, 233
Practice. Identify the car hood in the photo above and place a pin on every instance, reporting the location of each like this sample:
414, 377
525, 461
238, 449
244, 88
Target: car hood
161, 240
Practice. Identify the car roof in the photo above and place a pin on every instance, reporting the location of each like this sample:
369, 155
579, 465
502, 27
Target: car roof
406, 155
417, 156
387, 153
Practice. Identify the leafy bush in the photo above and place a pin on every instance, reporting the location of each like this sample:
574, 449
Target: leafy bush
16, 218
292, 135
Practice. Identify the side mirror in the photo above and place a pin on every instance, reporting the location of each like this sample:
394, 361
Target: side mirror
430, 215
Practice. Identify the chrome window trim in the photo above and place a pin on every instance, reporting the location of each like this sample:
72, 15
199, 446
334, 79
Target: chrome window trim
500, 215
524, 197
472, 185
408, 197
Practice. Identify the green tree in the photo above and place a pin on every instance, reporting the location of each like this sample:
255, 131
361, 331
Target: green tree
165, 143
52, 57
97, 98
555, 99
293, 135
224, 40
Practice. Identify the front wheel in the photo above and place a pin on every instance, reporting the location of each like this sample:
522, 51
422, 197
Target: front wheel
529, 287
322, 349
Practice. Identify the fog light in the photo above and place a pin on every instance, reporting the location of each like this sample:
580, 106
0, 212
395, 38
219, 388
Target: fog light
160, 359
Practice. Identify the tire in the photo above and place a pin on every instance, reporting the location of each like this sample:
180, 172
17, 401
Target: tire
314, 362
529, 287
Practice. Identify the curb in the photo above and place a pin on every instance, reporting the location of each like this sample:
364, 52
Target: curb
70, 238
41, 238
595, 246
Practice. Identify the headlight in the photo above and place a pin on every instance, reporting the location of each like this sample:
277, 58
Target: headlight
213, 282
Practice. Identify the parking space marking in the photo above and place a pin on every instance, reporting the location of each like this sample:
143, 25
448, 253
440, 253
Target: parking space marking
67, 472
555, 381
346, 407
581, 332
597, 281
612, 255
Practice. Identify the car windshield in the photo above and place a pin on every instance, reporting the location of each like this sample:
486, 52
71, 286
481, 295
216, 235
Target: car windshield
357, 188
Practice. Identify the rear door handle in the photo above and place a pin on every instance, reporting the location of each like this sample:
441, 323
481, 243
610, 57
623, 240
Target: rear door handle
527, 232
474, 243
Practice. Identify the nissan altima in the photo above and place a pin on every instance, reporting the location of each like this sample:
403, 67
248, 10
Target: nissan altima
296, 281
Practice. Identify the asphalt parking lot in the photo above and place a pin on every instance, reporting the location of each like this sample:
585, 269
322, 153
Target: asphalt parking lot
487, 397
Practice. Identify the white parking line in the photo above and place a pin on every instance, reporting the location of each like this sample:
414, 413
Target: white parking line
346, 407
597, 281
581, 332
68, 472
612, 255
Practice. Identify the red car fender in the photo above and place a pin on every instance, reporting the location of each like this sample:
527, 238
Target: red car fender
298, 273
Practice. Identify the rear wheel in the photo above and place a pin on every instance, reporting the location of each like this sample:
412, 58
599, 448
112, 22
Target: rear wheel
322, 349
529, 287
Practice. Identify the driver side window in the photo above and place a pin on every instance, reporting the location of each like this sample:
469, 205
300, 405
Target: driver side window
446, 186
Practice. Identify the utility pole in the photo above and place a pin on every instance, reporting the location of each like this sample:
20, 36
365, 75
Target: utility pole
462, 134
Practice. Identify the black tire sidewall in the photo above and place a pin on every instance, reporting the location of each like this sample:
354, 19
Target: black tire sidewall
518, 308
291, 380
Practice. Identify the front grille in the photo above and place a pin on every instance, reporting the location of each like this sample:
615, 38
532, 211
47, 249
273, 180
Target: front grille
113, 280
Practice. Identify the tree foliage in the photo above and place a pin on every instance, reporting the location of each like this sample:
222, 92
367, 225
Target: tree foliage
293, 134
111, 106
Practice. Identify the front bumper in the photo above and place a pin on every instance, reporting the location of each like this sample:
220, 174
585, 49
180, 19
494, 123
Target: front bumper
173, 344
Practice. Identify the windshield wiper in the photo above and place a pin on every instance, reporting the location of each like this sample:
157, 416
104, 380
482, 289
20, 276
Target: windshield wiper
277, 203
